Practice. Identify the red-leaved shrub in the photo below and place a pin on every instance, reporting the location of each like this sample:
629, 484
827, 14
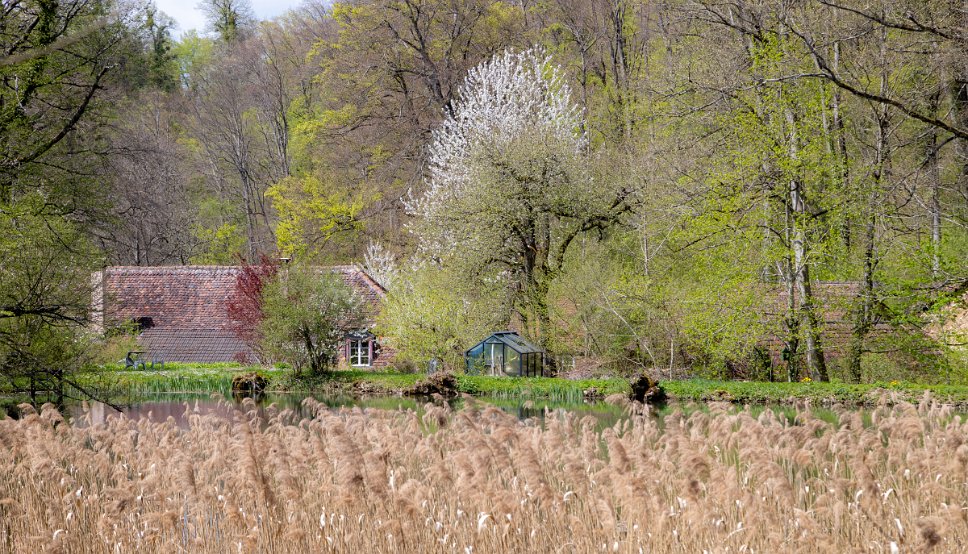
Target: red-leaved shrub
245, 305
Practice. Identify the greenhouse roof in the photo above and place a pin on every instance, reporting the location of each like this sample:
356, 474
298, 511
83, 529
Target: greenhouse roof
514, 340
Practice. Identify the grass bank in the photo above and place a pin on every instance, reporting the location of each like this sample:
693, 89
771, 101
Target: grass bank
744, 392
118, 382
218, 378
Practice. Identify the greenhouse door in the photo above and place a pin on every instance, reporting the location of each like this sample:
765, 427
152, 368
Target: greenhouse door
497, 358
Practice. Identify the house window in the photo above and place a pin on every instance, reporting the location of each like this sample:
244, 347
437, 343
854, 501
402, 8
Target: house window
359, 352
142, 324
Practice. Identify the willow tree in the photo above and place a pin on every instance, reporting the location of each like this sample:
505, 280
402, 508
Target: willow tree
511, 185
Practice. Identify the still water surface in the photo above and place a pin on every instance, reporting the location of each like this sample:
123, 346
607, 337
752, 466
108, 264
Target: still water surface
179, 407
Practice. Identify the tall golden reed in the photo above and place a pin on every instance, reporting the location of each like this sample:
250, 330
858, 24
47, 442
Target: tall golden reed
479, 481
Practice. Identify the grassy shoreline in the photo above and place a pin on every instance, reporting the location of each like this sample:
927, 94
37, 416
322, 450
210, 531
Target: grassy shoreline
218, 378
868, 394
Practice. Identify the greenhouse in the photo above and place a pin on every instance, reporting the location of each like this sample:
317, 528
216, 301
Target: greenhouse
505, 353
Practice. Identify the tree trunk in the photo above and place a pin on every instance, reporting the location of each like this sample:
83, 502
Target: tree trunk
863, 307
792, 343
811, 327
543, 318
863, 318
960, 98
840, 150
620, 66
933, 170
249, 219
801, 266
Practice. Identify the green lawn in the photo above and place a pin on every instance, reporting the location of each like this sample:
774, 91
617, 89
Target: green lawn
496, 387
744, 392
184, 378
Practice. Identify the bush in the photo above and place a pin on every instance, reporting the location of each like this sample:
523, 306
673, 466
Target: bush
307, 314
116, 345
430, 315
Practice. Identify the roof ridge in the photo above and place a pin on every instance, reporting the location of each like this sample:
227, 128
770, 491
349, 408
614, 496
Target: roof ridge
169, 268
180, 328
370, 281
148, 268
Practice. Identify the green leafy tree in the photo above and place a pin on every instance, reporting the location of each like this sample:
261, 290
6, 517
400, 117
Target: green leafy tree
431, 313
229, 19
162, 63
307, 315
193, 54
58, 62
387, 71
311, 214
45, 300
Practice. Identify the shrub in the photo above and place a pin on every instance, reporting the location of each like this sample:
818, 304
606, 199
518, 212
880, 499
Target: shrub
307, 315
245, 306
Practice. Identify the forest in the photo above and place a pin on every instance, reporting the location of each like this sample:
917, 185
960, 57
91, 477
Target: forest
740, 189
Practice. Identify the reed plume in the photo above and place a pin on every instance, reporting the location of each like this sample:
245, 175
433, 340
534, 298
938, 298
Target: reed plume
478, 480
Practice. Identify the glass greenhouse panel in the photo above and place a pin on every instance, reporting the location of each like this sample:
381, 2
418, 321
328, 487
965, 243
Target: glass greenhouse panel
512, 362
474, 357
505, 353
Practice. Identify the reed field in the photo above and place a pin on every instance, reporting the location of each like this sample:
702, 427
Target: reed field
478, 480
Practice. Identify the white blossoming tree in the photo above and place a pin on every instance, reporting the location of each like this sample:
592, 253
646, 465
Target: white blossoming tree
510, 186
380, 264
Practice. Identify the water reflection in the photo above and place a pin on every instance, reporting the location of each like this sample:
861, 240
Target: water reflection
180, 407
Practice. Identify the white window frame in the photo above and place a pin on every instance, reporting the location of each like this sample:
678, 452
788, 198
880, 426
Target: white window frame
359, 353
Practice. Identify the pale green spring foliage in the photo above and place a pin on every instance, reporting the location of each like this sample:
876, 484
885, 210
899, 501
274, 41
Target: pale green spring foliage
307, 315
431, 314
479, 480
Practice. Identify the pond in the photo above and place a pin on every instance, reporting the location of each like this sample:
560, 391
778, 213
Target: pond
160, 407
179, 406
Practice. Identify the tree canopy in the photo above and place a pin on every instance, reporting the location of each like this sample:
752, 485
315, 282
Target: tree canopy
738, 189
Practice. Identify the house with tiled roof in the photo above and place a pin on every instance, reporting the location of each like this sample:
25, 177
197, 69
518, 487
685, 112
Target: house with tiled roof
181, 312
834, 301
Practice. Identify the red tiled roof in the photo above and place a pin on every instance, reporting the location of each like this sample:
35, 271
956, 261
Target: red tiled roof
834, 301
368, 290
194, 345
180, 297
